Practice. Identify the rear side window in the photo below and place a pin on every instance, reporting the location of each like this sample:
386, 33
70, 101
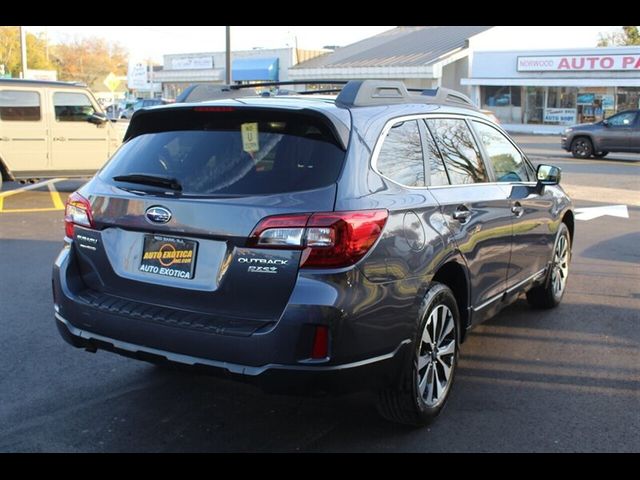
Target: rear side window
400, 157
507, 162
234, 153
459, 151
72, 107
19, 106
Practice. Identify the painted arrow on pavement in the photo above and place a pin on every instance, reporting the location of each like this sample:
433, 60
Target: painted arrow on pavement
589, 213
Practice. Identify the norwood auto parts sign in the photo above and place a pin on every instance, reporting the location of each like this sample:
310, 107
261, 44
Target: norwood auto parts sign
581, 63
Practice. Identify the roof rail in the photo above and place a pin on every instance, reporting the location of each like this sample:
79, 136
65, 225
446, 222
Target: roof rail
447, 95
200, 92
365, 93
56, 83
352, 93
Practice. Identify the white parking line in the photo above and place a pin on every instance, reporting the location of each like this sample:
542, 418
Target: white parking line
8, 193
34, 186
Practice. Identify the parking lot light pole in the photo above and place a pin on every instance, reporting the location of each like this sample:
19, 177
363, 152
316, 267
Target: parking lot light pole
228, 56
23, 52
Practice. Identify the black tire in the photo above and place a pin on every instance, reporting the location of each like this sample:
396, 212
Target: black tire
600, 154
581, 147
547, 295
405, 402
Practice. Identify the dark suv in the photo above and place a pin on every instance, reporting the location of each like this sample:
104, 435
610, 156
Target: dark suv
342, 243
618, 133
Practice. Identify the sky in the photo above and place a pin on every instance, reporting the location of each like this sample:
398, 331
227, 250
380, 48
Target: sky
154, 41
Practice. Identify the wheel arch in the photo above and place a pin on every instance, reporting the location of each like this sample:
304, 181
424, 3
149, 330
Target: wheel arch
455, 276
5, 173
569, 220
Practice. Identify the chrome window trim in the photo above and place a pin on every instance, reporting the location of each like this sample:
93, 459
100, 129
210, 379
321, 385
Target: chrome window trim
425, 116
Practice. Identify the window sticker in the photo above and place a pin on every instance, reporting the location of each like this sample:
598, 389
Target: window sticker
250, 137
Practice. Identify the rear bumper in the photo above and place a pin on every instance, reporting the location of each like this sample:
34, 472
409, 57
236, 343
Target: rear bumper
364, 354
374, 372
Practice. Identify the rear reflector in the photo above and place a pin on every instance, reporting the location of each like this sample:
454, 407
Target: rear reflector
320, 343
329, 240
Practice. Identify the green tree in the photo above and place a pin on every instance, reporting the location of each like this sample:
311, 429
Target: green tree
37, 51
628, 36
90, 60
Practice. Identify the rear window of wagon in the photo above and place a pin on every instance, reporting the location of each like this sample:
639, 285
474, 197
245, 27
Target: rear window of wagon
232, 152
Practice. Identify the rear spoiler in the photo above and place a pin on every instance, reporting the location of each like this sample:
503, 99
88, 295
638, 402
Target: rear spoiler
155, 119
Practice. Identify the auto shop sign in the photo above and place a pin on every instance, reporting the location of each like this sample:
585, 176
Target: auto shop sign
580, 63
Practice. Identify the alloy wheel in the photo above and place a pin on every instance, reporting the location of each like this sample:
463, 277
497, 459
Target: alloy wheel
436, 356
582, 148
560, 268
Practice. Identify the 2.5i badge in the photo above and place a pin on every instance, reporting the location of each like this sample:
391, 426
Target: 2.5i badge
169, 256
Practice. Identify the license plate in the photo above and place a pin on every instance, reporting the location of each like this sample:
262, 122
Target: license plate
168, 256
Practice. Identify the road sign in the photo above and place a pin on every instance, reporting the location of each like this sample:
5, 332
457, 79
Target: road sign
137, 75
111, 82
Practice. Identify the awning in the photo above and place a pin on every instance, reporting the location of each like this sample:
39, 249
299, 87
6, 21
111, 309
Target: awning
251, 69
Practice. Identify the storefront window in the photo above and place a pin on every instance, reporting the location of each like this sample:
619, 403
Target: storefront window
505, 102
628, 98
534, 104
595, 103
561, 106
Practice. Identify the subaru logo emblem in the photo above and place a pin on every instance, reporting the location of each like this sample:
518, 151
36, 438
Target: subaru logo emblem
158, 214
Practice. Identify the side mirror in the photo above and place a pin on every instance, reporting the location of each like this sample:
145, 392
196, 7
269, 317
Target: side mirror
97, 119
548, 175
605, 123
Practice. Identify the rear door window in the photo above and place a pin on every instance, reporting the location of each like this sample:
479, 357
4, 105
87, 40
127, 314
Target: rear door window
436, 172
231, 153
19, 106
459, 151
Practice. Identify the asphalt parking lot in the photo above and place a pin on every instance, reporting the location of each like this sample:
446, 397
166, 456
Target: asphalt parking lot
556, 381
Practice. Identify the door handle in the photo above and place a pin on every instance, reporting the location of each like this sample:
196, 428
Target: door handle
59, 139
4, 139
462, 214
517, 209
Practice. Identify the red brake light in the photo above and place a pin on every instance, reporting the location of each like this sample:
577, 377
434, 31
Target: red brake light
330, 240
77, 212
213, 109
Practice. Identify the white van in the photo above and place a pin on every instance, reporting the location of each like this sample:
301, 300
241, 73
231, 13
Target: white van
52, 129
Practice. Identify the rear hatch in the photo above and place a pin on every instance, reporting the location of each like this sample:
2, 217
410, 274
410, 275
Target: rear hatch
174, 209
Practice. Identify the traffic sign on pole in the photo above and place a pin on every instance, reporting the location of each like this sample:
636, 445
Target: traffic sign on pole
111, 82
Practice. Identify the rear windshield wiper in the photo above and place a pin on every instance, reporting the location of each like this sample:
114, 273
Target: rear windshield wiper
153, 180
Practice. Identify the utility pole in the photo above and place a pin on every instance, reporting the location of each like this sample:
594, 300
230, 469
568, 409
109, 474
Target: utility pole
228, 57
23, 52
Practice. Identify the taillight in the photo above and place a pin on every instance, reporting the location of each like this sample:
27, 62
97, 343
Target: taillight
77, 212
329, 240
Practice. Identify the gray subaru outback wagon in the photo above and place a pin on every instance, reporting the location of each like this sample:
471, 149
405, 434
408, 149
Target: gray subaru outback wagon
324, 242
